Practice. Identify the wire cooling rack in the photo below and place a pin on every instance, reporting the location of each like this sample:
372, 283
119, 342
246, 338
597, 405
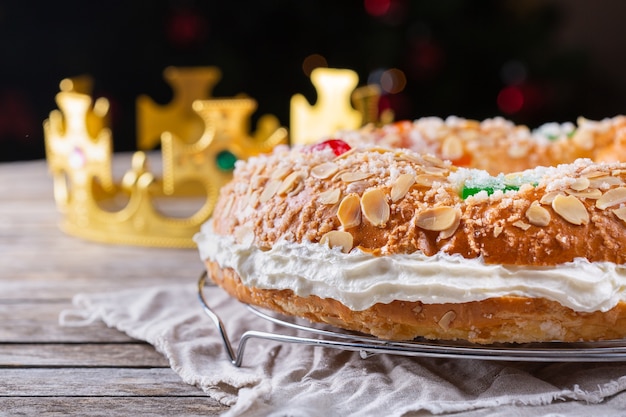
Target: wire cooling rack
327, 337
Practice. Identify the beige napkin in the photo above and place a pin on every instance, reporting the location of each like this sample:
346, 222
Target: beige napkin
297, 381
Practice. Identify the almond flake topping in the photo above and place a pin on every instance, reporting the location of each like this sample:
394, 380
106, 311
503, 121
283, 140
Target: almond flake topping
324, 170
330, 196
571, 209
583, 139
620, 213
355, 176
580, 184
289, 183
437, 218
537, 215
402, 186
244, 234
434, 160
548, 198
281, 173
375, 207
435, 171
270, 189
338, 238
592, 193
446, 320
428, 180
611, 198
444, 234
522, 225
349, 211
605, 181
452, 148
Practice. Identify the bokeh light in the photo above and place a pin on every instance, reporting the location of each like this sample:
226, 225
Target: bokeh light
377, 7
513, 72
313, 61
393, 81
510, 100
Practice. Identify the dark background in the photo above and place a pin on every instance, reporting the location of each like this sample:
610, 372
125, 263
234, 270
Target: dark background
565, 58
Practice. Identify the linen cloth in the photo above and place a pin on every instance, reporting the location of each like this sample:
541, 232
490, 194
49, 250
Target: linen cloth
292, 380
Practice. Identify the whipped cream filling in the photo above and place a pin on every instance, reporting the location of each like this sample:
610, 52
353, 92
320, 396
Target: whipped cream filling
360, 280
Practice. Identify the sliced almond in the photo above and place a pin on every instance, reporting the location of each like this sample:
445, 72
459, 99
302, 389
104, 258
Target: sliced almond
299, 187
402, 186
330, 196
325, 170
244, 235
611, 198
375, 207
548, 198
591, 193
605, 181
584, 139
409, 157
289, 183
253, 199
347, 153
580, 184
620, 213
338, 238
437, 171
428, 180
537, 215
355, 176
228, 206
595, 174
338, 174
571, 209
444, 234
434, 160
436, 218
269, 190
446, 320
349, 211
497, 230
452, 148
281, 173
522, 225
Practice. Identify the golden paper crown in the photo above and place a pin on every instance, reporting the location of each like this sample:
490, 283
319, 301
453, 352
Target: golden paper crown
201, 138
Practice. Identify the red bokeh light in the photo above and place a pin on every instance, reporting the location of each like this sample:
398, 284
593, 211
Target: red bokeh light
510, 100
377, 7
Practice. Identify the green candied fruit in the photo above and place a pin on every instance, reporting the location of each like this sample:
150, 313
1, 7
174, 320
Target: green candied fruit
470, 191
226, 160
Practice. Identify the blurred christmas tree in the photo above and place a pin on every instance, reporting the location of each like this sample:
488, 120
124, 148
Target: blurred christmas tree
473, 59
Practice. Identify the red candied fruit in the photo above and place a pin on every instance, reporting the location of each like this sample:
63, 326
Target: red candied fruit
337, 145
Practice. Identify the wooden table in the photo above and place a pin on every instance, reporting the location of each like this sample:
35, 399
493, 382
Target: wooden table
48, 369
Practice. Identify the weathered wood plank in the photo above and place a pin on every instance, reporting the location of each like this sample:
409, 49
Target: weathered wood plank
37, 322
139, 355
92, 371
200, 406
102, 382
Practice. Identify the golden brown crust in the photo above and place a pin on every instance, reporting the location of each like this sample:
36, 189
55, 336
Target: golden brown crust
501, 228
505, 319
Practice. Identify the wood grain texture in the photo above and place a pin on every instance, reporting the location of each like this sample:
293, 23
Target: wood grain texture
52, 370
